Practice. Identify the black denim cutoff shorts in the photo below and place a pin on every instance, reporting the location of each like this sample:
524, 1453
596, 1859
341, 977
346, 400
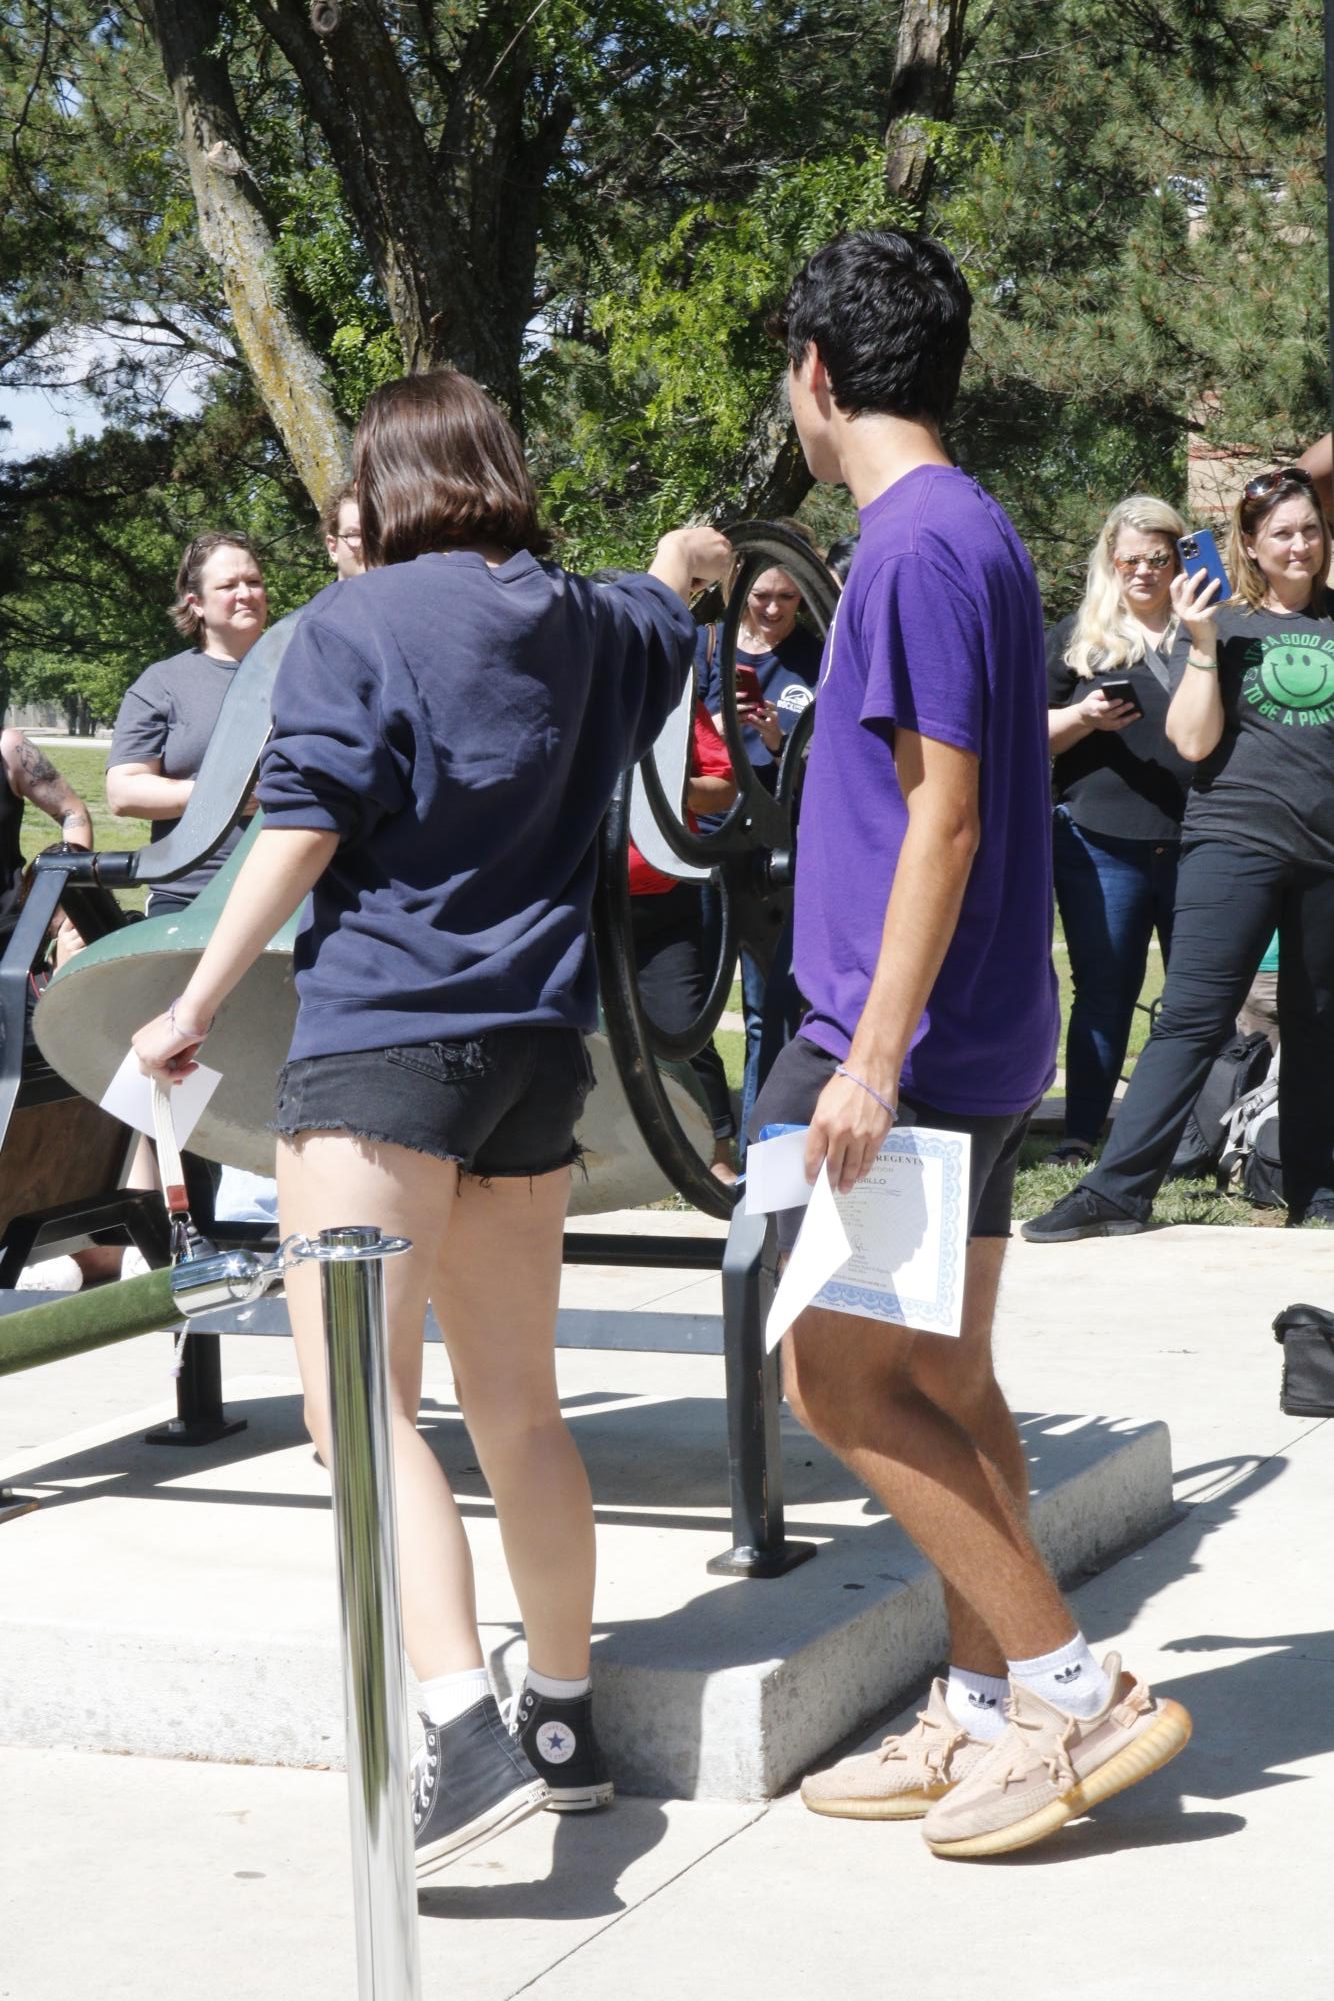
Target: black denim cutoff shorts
788, 1098
499, 1104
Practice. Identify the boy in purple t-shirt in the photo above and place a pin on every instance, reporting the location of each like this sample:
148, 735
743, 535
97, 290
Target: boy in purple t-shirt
923, 947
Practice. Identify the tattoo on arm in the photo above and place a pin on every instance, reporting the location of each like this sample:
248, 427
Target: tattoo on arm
36, 766
39, 781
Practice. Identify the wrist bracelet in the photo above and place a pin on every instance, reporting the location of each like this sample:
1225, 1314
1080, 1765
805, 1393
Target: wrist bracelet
1205, 666
193, 1034
871, 1092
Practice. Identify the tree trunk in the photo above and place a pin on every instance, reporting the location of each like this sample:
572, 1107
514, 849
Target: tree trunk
451, 230
236, 234
771, 476
926, 68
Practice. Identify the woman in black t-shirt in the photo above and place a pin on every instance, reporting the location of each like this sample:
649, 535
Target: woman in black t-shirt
1120, 794
1255, 716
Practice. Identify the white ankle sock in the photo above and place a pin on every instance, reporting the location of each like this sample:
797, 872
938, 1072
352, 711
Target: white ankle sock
447, 1696
977, 1702
551, 1685
1070, 1679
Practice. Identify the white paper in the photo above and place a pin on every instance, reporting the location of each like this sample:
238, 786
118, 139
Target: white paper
776, 1173
892, 1249
129, 1098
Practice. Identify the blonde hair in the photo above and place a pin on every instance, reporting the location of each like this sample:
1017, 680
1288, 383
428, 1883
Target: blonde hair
1106, 634
1249, 581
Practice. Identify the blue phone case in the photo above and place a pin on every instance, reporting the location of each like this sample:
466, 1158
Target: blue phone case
1199, 551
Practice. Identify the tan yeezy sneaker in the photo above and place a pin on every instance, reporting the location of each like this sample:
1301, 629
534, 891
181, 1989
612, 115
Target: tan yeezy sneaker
1048, 1767
900, 1779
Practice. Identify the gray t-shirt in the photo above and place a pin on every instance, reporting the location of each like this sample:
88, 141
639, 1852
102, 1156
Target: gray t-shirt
169, 714
1269, 786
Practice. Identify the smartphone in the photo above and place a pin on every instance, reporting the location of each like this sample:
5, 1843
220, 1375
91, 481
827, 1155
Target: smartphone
1199, 551
1120, 688
749, 694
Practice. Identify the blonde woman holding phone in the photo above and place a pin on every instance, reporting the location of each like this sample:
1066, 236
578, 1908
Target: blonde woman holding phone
1120, 790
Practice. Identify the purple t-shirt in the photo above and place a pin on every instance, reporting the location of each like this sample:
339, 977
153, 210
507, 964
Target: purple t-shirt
939, 630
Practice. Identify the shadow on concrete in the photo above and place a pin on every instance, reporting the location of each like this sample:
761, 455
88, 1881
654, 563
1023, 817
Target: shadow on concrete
589, 1856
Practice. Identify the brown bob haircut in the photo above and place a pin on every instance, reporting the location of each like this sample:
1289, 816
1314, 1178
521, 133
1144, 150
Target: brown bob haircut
437, 465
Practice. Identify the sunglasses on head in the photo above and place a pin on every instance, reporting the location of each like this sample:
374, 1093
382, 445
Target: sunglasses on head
1266, 482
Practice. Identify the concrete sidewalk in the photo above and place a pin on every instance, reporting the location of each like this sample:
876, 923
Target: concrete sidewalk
131, 1877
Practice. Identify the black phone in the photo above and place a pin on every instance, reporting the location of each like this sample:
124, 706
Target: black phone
1199, 551
1120, 688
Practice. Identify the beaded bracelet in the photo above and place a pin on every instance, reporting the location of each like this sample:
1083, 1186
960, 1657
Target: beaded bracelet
193, 1034
871, 1092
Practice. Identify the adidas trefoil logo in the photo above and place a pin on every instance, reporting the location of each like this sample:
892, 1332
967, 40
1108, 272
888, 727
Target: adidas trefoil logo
976, 1701
1064, 1675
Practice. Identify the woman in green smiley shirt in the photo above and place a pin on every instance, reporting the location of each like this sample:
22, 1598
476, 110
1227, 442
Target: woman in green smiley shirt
1255, 715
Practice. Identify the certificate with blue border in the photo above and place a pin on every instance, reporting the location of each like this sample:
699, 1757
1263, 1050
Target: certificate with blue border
891, 1249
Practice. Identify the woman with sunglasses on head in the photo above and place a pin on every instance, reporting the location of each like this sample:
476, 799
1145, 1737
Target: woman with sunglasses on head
1120, 792
447, 733
1254, 715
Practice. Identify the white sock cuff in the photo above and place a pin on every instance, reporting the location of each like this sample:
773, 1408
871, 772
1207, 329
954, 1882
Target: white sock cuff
553, 1687
1070, 1678
1073, 1651
447, 1696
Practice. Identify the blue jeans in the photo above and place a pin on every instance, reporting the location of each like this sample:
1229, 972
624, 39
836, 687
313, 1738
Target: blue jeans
1112, 896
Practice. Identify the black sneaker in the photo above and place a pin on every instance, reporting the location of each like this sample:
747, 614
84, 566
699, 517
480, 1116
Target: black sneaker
470, 1780
559, 1740
1081, 1213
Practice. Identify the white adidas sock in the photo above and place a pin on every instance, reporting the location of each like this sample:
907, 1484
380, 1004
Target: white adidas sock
559, 1691
1070, 1679
977, 1702
447, 1696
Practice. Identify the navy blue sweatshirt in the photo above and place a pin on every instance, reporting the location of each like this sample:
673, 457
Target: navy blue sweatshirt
461, 730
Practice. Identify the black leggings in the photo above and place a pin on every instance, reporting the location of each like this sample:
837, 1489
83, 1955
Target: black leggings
674, 980
1229, 902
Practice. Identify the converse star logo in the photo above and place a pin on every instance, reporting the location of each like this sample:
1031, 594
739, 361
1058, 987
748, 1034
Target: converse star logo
1064, 1675
555, 1743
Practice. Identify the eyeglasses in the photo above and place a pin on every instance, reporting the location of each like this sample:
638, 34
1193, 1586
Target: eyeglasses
352, 538
1128, 565
1266, 482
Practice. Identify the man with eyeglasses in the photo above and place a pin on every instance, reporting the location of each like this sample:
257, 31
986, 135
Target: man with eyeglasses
340, 525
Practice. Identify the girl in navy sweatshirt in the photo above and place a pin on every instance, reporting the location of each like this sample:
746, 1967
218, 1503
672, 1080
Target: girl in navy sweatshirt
447, 731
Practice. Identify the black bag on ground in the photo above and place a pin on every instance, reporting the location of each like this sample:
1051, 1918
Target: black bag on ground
1306, 1334
1241, 1064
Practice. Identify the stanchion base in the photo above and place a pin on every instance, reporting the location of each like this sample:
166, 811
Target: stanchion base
13, 1505
194, 1431
747, 1561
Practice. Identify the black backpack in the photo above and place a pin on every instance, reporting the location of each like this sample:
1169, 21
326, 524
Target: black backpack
1250, 1164
1240, 1065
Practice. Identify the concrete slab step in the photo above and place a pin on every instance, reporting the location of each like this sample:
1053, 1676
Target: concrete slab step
182, 1605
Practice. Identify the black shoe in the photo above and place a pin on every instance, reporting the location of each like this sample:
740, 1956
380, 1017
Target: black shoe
1081, 1213
470, 1780
559, 1740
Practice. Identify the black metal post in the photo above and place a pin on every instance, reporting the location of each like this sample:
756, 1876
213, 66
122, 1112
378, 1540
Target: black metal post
200, 1416
754, 1442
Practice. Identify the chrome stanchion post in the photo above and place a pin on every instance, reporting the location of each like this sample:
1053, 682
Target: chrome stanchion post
351, 1265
